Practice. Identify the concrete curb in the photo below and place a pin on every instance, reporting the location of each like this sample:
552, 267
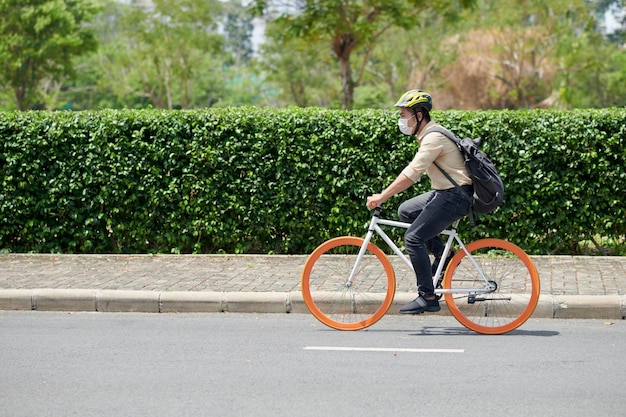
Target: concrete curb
591, 307
611, 307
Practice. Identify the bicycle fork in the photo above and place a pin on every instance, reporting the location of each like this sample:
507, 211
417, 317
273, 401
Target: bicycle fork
362, 250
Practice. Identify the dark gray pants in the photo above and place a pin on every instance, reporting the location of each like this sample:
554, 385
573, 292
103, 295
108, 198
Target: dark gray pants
429, 214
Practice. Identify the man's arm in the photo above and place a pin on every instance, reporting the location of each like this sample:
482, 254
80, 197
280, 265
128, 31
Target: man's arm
397, 186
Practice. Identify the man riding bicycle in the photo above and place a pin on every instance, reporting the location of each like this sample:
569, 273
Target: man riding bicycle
432, 212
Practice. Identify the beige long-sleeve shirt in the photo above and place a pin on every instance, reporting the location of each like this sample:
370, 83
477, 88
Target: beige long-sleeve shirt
437, 147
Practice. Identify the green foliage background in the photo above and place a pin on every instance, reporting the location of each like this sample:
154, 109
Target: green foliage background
261, 180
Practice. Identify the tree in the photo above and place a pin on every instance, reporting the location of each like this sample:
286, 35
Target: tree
401, 60
238, 28
38, 40
168, 44
187, 54
617, 8
159, 53
531, 53
349, 25
300, 71
592, 72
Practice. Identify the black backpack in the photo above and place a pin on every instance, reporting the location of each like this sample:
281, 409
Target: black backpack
488, 186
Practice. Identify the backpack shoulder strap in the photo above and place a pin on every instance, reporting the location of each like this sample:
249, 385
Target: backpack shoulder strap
444, 132
450, 136
456, 140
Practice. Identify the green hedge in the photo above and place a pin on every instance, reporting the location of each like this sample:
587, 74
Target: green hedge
250, 180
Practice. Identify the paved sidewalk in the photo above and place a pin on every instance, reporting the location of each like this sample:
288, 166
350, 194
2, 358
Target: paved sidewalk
572, 287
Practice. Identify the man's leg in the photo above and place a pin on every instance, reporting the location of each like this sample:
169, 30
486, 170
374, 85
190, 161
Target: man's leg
408, 212
441, 209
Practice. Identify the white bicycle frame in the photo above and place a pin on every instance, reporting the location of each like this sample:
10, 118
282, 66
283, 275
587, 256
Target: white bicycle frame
452, 236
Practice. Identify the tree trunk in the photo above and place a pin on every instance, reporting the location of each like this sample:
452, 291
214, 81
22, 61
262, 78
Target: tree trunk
342, 47
346, 83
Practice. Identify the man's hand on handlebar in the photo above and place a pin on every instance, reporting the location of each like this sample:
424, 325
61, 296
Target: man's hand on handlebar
374, 200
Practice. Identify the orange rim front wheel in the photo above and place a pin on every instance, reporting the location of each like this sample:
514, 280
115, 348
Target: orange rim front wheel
336, 302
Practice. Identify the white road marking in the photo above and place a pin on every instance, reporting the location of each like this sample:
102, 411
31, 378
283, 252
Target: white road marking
372, 349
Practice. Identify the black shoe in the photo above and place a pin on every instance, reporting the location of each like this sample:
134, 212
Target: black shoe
420, 305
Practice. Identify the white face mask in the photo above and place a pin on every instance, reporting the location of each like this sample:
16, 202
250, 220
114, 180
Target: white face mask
403, 125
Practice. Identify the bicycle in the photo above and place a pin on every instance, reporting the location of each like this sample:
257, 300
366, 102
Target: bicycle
491, 286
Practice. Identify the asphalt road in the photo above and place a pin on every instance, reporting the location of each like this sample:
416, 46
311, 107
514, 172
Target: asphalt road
127, 364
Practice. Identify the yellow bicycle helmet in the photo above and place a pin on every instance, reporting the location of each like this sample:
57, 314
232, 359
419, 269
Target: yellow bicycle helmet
416, 98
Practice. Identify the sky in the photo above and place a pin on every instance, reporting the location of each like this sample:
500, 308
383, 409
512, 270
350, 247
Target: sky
611, 22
